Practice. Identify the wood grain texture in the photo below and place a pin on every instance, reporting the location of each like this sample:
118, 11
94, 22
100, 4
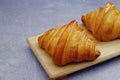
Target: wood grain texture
108, 50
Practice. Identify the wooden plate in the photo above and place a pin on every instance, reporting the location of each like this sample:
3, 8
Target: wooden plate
108, 50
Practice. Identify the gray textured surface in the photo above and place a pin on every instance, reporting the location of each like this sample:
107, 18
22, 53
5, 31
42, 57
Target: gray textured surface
20, 19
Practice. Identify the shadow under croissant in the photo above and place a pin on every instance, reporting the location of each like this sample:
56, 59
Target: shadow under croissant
73, 62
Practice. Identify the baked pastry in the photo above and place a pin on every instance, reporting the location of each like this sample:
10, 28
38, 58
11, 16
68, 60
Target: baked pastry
68, 43
104, 23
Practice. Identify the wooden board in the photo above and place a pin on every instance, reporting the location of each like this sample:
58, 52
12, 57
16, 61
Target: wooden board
108, 50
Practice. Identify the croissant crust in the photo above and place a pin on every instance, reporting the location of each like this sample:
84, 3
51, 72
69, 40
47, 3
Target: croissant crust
104, 23
68, 43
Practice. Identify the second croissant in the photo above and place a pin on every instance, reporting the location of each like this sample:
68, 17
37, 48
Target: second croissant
104, 23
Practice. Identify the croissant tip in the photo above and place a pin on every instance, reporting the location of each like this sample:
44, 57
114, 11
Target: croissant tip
109, 2
97, 54
73, 21
82, 18
39, 37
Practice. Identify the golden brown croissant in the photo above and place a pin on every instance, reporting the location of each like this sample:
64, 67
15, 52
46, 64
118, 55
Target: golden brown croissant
68, 43
104, 23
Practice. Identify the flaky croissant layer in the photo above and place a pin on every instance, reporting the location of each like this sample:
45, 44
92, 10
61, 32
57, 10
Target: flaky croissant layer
68, 43
104, 22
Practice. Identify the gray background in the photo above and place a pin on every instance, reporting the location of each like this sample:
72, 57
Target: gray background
20, 19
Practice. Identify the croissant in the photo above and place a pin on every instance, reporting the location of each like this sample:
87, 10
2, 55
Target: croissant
68, 43
104, 23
